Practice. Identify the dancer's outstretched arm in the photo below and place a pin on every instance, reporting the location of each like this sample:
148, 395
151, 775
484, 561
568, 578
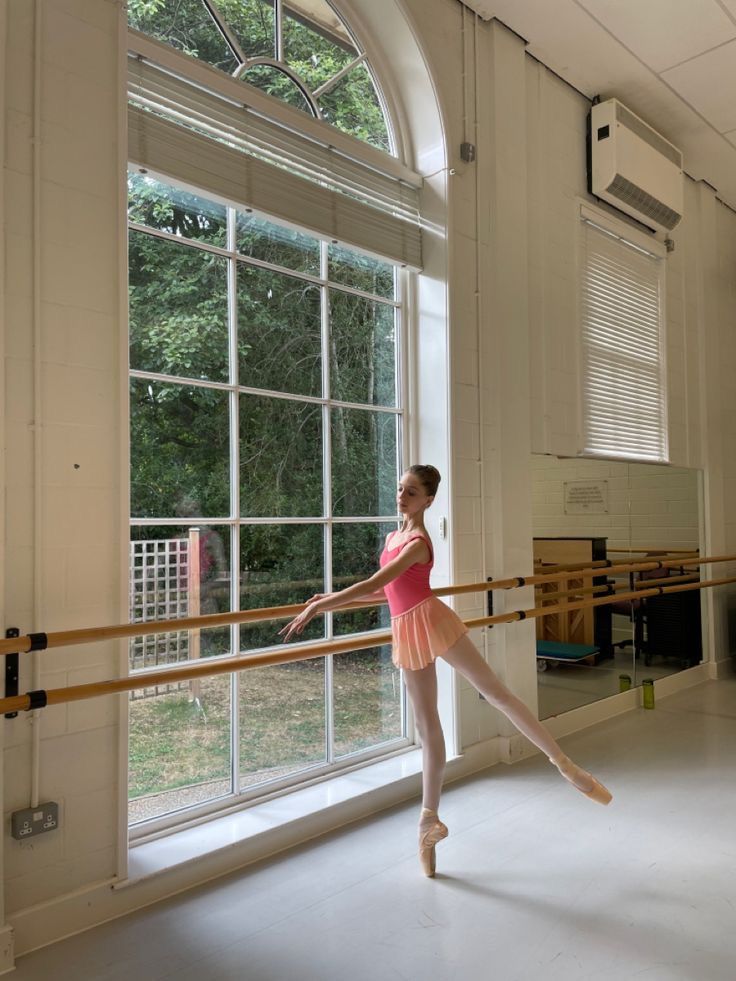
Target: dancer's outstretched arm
416, 551
370, 599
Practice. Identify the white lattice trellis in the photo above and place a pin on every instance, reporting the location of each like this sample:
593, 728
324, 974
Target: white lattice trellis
164, 585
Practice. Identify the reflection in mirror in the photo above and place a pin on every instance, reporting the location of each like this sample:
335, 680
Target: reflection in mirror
590, 511
665, 527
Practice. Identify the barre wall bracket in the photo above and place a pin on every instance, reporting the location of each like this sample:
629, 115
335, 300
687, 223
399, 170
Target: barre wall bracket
11, 671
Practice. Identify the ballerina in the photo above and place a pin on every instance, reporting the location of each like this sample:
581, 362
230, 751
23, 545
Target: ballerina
423, 628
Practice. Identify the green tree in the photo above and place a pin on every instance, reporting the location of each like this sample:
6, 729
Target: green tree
180, 431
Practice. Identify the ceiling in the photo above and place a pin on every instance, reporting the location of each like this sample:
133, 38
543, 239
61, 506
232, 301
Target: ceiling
673, 62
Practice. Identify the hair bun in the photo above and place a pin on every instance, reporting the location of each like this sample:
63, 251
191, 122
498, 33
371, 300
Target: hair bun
428, 476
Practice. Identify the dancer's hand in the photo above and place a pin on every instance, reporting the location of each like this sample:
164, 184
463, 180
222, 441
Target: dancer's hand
297, 625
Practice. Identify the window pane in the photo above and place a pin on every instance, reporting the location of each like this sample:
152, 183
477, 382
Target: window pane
363, 350
318, 47
279, 332
364, 462
279, 565
252, 22
172, 210
179, 449
367, 700
352, 106
361, 271
274, 82
174, 573
282, 720
276, 244
179, 748
186, 25
356, 551
178, 309
280, 457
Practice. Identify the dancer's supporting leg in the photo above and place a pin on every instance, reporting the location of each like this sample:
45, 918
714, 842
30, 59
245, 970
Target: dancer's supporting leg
422, 688
466, 659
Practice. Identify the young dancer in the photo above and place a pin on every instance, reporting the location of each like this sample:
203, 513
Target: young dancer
423, 629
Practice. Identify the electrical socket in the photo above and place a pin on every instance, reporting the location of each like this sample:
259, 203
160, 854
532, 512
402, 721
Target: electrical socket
33, 821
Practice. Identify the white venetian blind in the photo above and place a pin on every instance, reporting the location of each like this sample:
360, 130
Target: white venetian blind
623, 369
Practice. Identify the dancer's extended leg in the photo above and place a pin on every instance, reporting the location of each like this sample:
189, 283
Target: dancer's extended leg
466, 659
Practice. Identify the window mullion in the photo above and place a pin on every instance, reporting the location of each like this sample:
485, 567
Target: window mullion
327, 499
232, 297
278, 14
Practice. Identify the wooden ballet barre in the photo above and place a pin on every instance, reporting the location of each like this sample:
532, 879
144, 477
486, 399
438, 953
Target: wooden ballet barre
88, 635
187, 671
583, 572
568, 566
650, 549
581, 591
665, 580
616, 597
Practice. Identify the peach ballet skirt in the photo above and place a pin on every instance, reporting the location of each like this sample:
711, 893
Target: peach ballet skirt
423, 628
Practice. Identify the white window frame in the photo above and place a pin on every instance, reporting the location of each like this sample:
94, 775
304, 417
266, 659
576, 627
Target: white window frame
637, 243
330, 767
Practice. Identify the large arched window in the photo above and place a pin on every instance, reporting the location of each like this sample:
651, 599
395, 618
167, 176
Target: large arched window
301, 52
268, 263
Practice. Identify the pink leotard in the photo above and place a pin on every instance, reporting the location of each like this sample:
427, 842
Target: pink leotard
412, 587
422, 627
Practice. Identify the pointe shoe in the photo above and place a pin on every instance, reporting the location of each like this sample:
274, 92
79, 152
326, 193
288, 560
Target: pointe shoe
573, 774
427, 841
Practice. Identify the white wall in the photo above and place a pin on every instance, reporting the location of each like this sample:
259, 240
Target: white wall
63, 427
511, 353
648, 506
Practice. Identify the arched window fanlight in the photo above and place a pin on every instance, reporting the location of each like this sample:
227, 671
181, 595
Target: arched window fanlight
298, 51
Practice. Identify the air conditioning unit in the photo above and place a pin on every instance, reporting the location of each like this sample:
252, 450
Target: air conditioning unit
633, 168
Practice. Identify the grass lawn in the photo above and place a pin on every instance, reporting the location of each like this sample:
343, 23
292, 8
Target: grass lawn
177, 742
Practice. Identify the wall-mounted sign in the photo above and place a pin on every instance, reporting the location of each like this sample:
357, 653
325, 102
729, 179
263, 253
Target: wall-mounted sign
586, 497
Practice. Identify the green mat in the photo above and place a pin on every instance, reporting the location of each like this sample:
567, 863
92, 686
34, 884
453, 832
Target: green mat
554, 650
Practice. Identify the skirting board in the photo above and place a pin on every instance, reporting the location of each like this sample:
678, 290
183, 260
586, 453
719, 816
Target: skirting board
719, 670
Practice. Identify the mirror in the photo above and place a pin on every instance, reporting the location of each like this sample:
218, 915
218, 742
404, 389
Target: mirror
590, 511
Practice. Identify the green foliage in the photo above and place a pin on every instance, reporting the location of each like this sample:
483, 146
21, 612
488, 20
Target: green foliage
186, 25
179, 319
187, 336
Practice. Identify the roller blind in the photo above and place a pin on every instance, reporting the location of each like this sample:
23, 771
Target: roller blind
623, 362
184, 128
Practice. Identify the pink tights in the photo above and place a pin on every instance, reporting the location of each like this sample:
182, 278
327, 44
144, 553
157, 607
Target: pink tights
422, 688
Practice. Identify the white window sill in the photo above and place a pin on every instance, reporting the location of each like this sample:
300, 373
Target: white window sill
262, 829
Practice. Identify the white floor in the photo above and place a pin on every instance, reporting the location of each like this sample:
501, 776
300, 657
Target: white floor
536, 882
